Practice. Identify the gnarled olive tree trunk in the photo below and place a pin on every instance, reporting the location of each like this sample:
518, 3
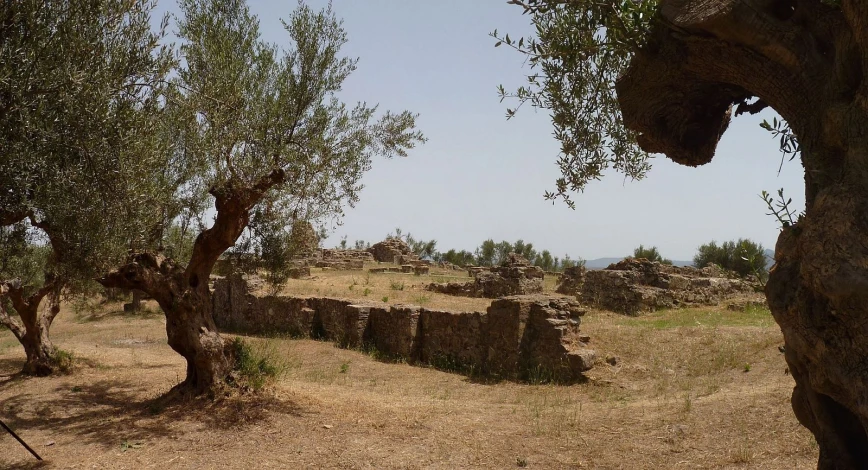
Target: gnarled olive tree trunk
32, 330
183, 292
808, 60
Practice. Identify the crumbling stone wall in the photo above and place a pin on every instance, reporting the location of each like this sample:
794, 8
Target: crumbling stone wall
633, 286
516, 276
571, 281
392, 250
518, 337
343, 255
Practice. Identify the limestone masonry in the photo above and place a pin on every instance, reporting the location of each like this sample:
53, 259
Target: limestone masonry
633, 286
518, 337
516, 276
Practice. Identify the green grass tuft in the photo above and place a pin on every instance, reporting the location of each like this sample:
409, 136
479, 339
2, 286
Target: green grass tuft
257, 365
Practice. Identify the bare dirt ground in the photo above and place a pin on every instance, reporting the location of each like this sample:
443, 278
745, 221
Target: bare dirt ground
698, 388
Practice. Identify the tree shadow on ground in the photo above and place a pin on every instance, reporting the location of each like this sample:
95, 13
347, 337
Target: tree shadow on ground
110, 311
108, 412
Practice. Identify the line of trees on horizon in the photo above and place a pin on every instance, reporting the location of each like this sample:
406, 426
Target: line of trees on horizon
743, 256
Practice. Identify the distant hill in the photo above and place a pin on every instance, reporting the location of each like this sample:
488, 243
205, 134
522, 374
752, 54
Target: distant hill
603, 263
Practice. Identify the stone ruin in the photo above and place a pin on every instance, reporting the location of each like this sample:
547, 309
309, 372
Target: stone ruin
448, 265
516, 276
571, 281
417, 269
518, 337
393, 250
344, 260
633, 286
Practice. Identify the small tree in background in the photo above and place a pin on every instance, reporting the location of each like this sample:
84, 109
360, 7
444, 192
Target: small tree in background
651, 254
744, 257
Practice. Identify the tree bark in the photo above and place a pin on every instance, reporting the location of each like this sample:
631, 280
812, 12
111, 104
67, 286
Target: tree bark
189, 326
183, 292
32, 331
818, 294
809, 61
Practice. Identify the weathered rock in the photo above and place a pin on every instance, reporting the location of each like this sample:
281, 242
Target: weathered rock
407, 268
299, 272
472, 271
421, 269
342, 265
388, 250
452, 340
551, 346
341, 255
392, 330
633, 286
571, 281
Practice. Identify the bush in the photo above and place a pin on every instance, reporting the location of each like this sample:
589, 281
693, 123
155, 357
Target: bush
64, 361
256, 366
651, 254
744, 257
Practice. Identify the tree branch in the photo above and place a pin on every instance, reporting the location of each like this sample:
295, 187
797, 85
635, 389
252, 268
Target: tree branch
12, 216
705, 57
233, 204
6, 319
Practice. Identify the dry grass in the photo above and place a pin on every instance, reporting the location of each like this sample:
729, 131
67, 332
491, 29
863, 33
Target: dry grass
679, 397
393, 288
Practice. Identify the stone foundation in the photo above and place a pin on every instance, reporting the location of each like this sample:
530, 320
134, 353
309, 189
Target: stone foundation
633, 286
519, 337
515, 276
571, 281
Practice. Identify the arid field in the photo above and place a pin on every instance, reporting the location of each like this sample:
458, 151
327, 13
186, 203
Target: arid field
693, 388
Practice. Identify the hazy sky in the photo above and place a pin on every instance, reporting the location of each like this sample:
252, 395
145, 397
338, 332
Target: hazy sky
479, 176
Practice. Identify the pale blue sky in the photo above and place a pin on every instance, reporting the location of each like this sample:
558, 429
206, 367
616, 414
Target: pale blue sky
480, 176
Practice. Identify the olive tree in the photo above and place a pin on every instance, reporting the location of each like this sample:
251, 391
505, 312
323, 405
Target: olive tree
255, 122
744, 257
77, 120
623, 80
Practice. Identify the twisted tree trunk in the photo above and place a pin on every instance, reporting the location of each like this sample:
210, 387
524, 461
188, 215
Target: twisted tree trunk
186, 303
808, 60
32, 330
183, 292
818, 294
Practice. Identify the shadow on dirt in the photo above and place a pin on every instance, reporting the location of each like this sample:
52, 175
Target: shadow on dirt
108, 412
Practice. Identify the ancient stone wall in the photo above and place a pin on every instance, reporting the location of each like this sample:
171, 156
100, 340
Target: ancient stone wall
516, 276
571, 281
518, 337
633, 286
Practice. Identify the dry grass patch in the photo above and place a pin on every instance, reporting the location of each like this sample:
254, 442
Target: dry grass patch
398, 288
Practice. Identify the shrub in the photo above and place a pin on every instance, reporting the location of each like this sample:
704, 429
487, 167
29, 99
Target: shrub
651, 254
256, 366
744, 257
64, 360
